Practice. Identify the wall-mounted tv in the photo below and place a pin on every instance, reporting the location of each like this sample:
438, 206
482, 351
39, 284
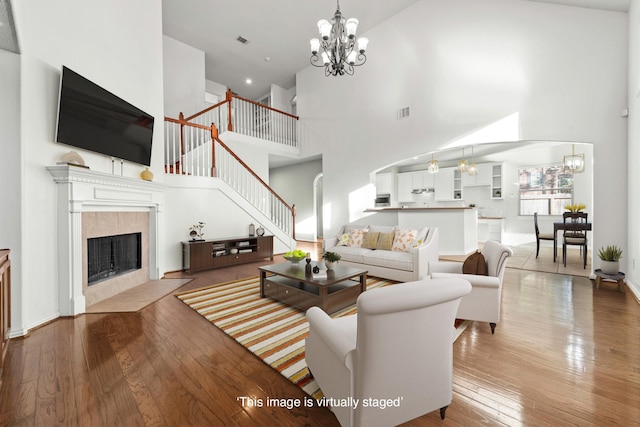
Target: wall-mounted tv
94, 119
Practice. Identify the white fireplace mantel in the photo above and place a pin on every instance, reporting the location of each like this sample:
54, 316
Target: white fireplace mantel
82, 190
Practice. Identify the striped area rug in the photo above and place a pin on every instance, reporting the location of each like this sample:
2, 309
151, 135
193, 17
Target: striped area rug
269, 329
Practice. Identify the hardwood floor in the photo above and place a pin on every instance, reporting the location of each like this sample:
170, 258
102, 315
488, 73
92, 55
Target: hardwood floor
563, 354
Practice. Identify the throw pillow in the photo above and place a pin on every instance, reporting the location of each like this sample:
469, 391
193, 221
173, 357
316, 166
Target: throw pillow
385, 241
343, 239
421, 236
356, 237
475, 264
402, 239
370, 240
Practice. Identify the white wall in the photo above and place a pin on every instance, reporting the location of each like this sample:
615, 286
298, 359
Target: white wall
194, 199
631, 256
10, 177
281, 98
461, 65
184, 81
295, 185
116, 44
216, 88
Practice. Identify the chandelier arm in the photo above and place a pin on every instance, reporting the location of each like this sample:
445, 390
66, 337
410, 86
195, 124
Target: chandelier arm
315, 61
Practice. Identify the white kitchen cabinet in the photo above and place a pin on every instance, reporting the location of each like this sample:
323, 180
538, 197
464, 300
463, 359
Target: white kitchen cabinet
443, 184
457, 184
497, 181
405, 186
490, 229
483, 177
384, 183
409, 181
428, 179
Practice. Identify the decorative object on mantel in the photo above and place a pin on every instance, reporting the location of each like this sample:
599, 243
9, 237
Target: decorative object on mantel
330, 258
433, 165
574, 163
610, 259
72, 158
339, 54
463, 165
260, 231
146, 174
195, 231
252, 230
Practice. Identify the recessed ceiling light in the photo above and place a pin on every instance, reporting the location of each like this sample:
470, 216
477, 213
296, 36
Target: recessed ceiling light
248, 81
267, 59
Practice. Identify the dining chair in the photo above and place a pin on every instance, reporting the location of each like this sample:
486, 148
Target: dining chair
575, 217
539, 235
575, 237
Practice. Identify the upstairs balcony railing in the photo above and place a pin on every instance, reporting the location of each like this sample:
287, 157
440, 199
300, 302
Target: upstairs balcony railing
251, 118
196, 150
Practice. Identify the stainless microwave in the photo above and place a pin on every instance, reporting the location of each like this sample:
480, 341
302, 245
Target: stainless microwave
383, 200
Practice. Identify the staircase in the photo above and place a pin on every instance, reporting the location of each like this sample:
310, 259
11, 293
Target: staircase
194, 148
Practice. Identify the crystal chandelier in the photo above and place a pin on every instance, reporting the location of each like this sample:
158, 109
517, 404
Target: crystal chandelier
433, 165
575, 162
337, 41
463, 165
472, 170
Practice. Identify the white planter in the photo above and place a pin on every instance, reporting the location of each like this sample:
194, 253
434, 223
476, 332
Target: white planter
329, 265
610, 267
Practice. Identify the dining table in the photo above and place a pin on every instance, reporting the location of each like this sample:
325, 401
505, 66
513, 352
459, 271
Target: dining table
573, 226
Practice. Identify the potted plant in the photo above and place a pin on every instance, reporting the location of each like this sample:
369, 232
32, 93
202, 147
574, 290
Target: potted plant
330, 258
610, 259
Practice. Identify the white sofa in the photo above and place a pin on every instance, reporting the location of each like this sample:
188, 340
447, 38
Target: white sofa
484, 301
393, 265
397, 349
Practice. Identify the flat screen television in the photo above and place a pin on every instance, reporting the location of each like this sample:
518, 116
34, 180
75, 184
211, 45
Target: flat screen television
95, 119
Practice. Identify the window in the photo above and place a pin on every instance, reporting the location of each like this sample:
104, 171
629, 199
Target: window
544, 189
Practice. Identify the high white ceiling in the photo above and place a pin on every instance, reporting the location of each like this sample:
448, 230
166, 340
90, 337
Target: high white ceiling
8, 37
279, 30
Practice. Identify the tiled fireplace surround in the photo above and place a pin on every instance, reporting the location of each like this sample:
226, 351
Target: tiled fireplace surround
96, 204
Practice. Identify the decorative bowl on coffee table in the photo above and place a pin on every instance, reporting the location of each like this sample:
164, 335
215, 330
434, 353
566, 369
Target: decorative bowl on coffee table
294, 259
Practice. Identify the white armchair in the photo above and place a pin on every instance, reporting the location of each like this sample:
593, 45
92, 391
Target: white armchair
393, 360
483, 303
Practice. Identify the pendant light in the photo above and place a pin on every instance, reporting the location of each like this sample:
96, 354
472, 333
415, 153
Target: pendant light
575, 162
472, 170
463, 165
433, 165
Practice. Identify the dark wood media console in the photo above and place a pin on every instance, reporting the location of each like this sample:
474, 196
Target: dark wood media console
199, 255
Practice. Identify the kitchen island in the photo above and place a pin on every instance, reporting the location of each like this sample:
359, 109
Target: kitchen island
458, 226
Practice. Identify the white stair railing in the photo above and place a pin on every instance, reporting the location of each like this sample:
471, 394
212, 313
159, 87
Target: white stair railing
236, 173
188, 148
194, 149
250, 118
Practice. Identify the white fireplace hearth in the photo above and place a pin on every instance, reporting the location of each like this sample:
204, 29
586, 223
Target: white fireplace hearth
92, 204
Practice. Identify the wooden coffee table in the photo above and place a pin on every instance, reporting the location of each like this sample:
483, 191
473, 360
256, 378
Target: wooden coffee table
295, 285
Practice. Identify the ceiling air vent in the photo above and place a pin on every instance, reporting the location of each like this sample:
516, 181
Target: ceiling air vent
403, 113
242, 40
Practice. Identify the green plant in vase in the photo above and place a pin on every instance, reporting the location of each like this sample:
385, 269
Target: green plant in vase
610, 259
330, 258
